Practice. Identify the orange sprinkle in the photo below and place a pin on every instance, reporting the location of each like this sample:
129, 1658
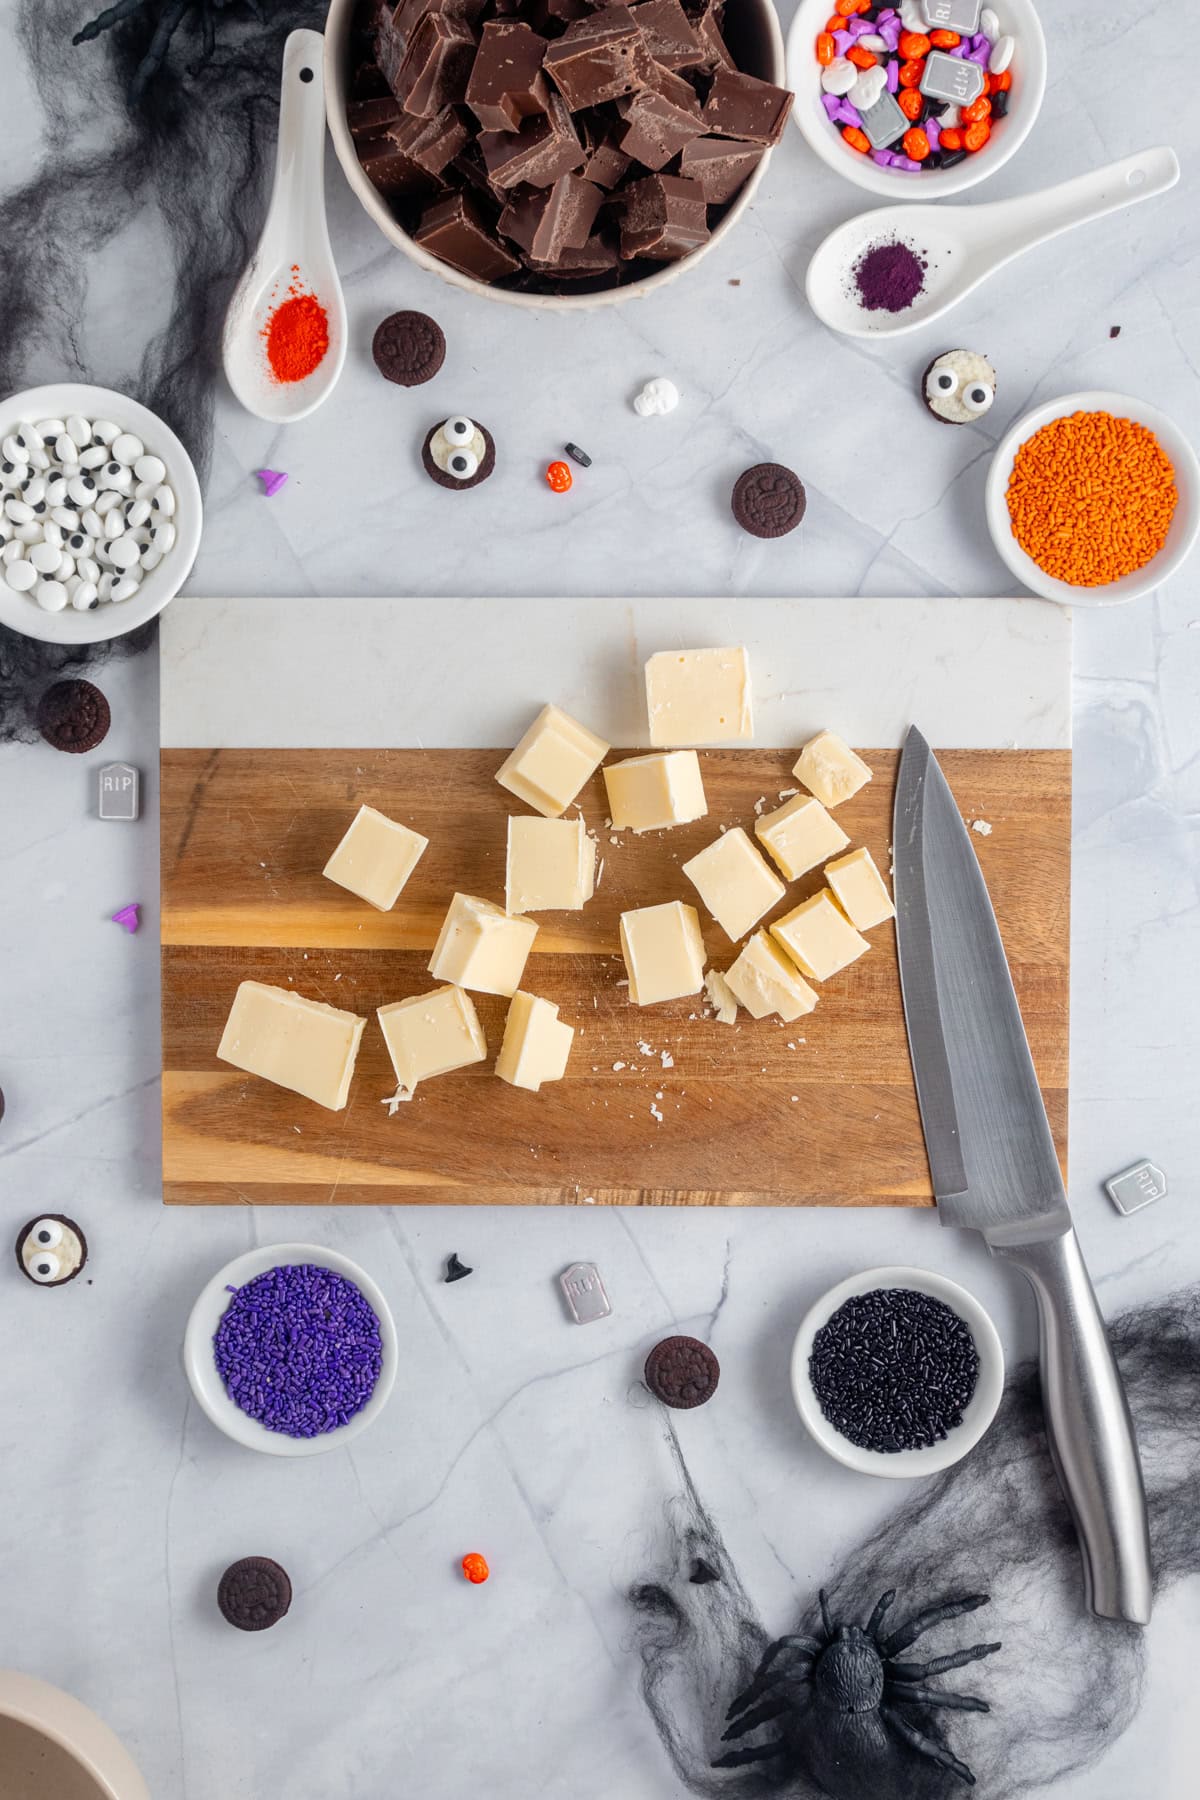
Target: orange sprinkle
475, 1568
951, 138
945, 40
825, 48
910, 102
914, 43
916, 144
911, 73
977, 135
1091, 498
862, 59
857, 140
1000, 84
978, 109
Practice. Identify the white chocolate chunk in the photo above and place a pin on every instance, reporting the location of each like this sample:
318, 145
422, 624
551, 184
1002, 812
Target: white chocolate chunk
550, 866
651, 793
765, 981
663, 951
800, 835
430, 1034
734, 883
698, 697
829, 769
860, 889
297, 1043
536, 1043
375, 858
480, 947
721, 997
819, 937
552, 762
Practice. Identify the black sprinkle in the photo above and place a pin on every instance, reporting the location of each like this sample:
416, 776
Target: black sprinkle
952, 157
578, 455
702, 1573
1114, 331
1000, 104
455, 1270
894, 1369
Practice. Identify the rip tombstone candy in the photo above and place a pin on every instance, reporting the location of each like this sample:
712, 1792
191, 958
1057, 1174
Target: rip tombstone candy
953, 15
119, 798
1135, 1187
884, 122
952, 78
584, 1293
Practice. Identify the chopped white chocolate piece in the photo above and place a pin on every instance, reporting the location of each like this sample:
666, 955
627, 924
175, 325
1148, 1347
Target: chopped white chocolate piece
430, 1034
480, 947
651, 793
376, 858
819, 937
860, 889
299, 1044
721, 997
766, 981
698, 697
734, 882
800, 835
663, 951
551, 865
552, 762
829, 768
536, 1043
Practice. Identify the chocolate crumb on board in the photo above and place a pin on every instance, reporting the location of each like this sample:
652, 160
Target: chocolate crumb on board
73, 716
1114, 331
456, 1270
409, 348
254, 1593
768, 500
682, 1372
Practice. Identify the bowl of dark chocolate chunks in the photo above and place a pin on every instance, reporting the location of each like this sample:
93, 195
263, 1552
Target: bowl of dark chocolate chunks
555, 152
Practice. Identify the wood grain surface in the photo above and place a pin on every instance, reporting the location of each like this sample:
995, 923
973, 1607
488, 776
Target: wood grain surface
822, 1112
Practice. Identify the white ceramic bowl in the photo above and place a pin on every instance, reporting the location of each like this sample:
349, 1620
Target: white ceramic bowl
1018, 18
756, 41
201, 1367
902, 1465
1184, 524
21, 612
52, 1720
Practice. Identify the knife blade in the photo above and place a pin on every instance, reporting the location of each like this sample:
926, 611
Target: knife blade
994, 1168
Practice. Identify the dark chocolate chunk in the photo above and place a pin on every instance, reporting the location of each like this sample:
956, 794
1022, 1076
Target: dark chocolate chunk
598, 258
702, 1573
456, 1270
447, 478
670, 37
708, 19
409, 348
607, 164
662, 218
74, 716
436, 66
720, 165
551, 15
506, 83
768, 500
682, 1372
369, 118
254, 1593
656, 129
391, 172
600, 57
741, 106
455, 230
545, 148
547, 221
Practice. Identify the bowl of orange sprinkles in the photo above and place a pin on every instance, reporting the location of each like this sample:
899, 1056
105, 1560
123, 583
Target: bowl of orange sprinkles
1094, 499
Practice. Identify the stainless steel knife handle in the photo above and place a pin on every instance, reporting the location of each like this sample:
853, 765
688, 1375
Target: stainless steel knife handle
1091, 1433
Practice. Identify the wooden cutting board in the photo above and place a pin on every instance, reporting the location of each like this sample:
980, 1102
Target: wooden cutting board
278, 721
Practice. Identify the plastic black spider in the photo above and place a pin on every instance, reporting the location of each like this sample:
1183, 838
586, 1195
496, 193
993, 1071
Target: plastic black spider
169, 15
856, 1684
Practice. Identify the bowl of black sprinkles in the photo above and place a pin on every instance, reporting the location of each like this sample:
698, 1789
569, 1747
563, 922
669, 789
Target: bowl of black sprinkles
897, 1372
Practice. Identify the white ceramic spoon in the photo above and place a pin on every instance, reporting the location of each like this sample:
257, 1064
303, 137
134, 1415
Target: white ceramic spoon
294, 247
966, 244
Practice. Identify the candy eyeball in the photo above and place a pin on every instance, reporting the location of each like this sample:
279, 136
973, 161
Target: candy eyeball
51, 1250
44, 1266
959, 386
458, 430
47, 1234
462, 463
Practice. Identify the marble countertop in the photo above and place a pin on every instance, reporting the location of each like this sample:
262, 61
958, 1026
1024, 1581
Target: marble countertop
511, 1430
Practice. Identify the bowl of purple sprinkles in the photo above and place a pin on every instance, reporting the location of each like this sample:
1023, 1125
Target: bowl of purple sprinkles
291, 1349
897, 1372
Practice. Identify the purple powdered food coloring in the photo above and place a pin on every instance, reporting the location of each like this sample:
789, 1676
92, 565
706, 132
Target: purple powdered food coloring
889, 276
299, 1349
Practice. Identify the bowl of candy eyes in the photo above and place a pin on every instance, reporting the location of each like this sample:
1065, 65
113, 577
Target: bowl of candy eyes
291, 1350
897, 1372
919, 100
100, 513
547, 154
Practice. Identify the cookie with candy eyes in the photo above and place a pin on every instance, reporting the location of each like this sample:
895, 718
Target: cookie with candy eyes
51, 1250
458, 453
959, 386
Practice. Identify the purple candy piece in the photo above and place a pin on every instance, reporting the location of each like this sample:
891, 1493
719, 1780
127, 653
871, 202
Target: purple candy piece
882, 157
980, 57
963, 50
842, 41
933, 132
904, 162
885, 18
857, 27
893, 77
831, 103
890, 33
847, 115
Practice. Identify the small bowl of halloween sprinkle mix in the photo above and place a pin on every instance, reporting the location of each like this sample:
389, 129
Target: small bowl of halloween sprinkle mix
1094, 499
897, 1372
291, 1349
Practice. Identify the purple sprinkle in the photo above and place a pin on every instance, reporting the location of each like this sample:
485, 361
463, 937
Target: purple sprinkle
882, 157
980, 57
890, 33
933, 132
831, 103
842, 41
299, 1349
905, 162
963, 49
893, 77
849, 115
859, 27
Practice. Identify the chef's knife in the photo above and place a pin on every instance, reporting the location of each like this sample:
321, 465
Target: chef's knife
994, 1169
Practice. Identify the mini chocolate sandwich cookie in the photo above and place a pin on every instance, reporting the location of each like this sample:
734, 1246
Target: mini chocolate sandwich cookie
73, 716
254, 1593
459, 453
959, 386
409, 348
51, 1250
682, 1372
769, 500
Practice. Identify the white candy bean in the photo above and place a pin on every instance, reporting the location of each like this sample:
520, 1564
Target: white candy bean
989, 24
91, 521
66, 516
49, 429
65, 448
38, 459
45, 558
116, 475
19, 511
14, 451
57, 494
52, 533
128, 585
1002, 55
88, 567
34, 490
106, 500
51, 596
79, 544
839, 76
94, 457
105, 585
79, 429
137, 514
30, 533
29, 437
13, 551
123, 552
150, 468
104, 431
163, 498
151, 558
21, 575
163, 537
85, 596
126, 448
82, 490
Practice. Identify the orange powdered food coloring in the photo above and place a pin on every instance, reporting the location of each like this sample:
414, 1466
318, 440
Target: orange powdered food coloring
296, 334
1091, 498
